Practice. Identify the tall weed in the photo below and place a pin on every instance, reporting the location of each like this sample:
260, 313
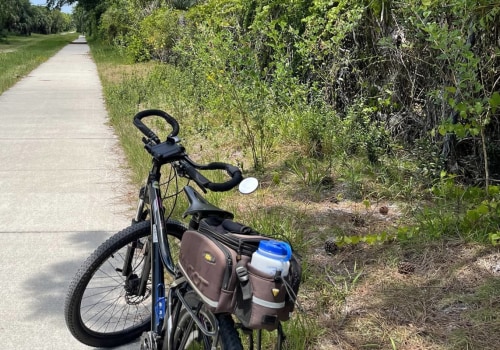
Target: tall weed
459, 212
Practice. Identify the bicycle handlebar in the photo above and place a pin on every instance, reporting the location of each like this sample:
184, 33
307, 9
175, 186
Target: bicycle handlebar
234, 172
168, 151
147, 131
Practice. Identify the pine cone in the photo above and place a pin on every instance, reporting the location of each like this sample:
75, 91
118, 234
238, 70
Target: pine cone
358, 220
383, 210
406, 268
331, 246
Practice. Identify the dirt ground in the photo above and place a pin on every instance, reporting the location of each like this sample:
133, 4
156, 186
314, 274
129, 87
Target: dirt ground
437, 295
394, 295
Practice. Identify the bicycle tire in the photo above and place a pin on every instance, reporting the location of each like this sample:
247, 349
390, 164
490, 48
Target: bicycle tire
107, 315
229, 338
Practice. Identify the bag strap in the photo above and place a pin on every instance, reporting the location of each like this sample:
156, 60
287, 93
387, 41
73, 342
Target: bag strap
243, 246
246, 287
236, 227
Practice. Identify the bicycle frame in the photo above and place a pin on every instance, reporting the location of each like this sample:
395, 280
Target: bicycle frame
159, 257
158, 249
149, 248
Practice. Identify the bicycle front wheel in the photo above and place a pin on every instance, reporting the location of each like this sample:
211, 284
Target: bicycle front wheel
187, 336
104, 307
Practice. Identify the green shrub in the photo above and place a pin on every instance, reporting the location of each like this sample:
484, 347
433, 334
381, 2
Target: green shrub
459, 212
116, 22
159, 32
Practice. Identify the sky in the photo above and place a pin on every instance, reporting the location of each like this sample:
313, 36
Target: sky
66, 9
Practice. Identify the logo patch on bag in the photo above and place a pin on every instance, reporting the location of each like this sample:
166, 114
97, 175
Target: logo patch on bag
209, 257
275, 292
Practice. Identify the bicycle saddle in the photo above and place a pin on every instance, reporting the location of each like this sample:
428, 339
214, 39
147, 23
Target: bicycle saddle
201, 207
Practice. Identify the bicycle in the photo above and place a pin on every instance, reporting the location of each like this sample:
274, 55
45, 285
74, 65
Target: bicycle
120, 292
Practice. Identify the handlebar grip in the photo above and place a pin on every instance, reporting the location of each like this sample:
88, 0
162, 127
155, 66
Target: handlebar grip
201, 180
226, 186
155, 112
232, 170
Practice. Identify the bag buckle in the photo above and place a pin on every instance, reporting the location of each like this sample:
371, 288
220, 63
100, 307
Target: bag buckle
246, 288
242, 273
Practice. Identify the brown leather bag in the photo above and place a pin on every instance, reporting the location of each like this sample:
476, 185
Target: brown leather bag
209, 267
216, 264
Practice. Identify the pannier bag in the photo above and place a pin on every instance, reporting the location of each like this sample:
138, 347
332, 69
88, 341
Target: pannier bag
272, 297
216, 261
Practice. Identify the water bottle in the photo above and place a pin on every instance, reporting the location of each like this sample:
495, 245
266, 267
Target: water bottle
272, 256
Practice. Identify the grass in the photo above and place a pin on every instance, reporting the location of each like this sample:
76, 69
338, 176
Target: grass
359, 297
19, 55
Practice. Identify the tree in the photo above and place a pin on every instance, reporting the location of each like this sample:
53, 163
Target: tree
15, 16
19, 16
6, 11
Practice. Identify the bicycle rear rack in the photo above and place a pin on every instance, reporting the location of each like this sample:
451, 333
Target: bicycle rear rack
196, 319
258, 341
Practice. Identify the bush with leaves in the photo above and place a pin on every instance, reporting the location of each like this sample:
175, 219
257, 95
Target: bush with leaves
422, 74
159, 32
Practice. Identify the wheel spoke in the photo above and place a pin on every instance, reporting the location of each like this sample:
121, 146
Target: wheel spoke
103, 308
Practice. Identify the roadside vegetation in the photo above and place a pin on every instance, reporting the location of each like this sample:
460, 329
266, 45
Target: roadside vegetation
374, 128
22, 18
19, 55
389, 262
29, 35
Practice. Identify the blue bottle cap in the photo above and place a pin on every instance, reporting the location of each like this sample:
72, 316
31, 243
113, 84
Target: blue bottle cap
276, 248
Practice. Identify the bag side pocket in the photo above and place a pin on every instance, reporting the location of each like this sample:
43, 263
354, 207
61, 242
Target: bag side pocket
265, 308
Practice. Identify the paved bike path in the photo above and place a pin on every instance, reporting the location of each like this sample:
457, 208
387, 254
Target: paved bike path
63, 190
